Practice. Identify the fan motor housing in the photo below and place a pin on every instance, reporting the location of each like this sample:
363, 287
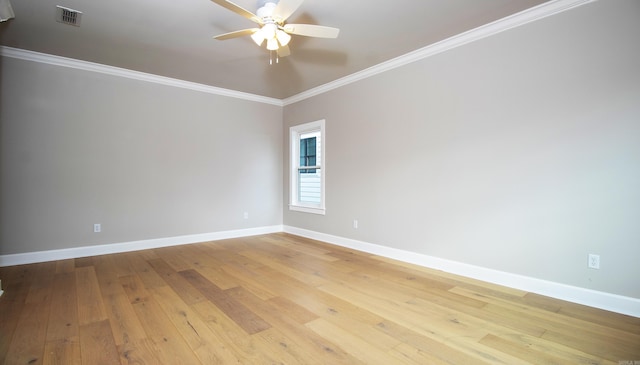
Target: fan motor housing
261, 3
266, 10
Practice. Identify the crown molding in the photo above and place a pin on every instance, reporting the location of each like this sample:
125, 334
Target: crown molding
524, 17
130, 74
542, 11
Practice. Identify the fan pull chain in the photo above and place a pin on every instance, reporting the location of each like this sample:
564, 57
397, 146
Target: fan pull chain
271, 58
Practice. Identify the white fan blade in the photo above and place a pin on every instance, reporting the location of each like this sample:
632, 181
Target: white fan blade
309, 30
284, 51
285, 8
238, 10
236, 34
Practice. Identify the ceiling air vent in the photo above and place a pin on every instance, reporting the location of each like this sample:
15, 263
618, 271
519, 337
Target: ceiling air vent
68, 16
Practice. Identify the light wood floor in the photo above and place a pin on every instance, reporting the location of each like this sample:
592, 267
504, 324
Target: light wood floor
282, 299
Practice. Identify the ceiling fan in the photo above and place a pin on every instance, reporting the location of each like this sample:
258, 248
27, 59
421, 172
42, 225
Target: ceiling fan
271, 17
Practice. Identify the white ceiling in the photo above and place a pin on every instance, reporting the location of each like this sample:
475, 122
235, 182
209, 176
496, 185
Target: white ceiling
174, 38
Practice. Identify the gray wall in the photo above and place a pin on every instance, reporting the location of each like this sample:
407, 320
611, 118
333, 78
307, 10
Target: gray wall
519, 152
144, 160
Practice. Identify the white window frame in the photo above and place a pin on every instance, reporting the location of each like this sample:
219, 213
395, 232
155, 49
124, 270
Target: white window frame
294, 150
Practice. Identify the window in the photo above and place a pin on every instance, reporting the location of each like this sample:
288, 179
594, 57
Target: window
307, 167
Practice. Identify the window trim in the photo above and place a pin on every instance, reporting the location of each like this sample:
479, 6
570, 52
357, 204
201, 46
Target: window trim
294, 150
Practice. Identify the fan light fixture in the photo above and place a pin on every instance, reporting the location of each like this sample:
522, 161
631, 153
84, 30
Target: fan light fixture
272, 44
258, 37
275, 37
283, 37
271, 17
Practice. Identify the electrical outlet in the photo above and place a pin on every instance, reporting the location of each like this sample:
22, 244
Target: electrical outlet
355, 224
594, 261
246, 215
97, 228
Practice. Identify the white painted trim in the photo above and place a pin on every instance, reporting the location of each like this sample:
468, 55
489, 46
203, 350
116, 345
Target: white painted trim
312, 210
524, 17
71, 253
611, 302
130, 74
544, 10
294, 151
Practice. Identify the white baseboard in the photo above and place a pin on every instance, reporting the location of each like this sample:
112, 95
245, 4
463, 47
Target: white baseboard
611, 302
592, 298
72, 253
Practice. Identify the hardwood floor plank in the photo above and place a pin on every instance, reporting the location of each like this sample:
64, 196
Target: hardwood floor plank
180, 285
502, 317
138, 263
62, 352
40, 289
134, 288
124, 322
354, 345
107, 272
409, 353
203, 342
436, 349
248, 320
97, 345
598, 345
11, 307
63, 266
283, 349
14, 274
279, 298
146, 255
83, 262
453, 279
248, 280
27, 344
293, 311
400, 277
168, 345
560, 323
536, 350
172, 257
232, 335
63, 316
619, 321
292, 248
210, 266
271, 262
313, 344
316, 301
139, 352
443, 328
90, 305
343, 312
125, 325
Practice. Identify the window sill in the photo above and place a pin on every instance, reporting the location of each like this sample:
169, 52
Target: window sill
313, 210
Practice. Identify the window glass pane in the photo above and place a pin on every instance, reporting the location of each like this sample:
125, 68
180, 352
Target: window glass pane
309, 185
308, 152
